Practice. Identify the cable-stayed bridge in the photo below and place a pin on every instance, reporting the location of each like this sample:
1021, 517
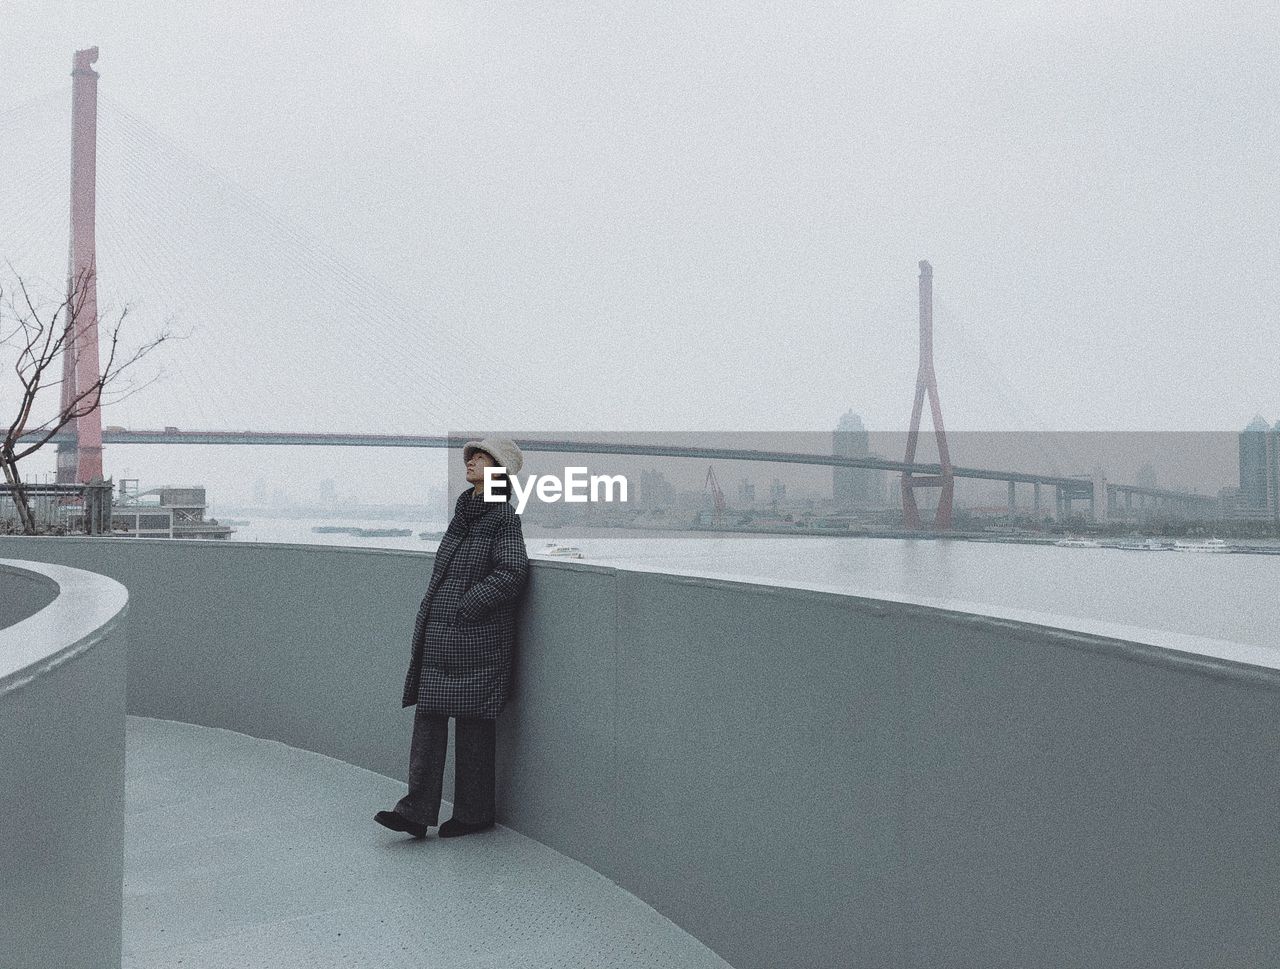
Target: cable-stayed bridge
310, 330
1066, 489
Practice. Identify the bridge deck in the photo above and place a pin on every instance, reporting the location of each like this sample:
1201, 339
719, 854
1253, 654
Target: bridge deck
244, 853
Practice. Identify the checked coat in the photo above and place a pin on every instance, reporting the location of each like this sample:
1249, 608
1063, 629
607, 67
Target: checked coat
464, 635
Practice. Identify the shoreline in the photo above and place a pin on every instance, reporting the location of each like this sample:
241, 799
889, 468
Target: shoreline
1247, 546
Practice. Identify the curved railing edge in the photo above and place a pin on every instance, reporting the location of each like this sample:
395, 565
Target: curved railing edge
86, 609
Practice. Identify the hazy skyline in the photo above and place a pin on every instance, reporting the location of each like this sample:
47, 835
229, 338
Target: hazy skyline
709, 215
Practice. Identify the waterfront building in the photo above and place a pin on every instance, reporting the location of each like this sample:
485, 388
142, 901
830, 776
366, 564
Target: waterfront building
1259, 494
854, 487
654, 491
163, 513
777, 493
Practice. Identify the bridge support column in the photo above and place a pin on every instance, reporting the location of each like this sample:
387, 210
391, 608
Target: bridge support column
1098, 504
80, 370
1035, 492
1013, 499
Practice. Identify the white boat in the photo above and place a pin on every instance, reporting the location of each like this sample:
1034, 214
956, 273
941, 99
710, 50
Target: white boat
1076, 543
556, 550
1150, 545
1212, 545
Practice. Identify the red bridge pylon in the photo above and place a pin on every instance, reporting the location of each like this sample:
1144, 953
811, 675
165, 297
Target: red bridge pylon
82, 461
925, 381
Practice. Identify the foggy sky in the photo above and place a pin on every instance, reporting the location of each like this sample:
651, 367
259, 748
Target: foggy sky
635, 216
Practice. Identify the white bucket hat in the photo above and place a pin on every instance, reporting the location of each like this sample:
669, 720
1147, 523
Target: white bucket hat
503, 450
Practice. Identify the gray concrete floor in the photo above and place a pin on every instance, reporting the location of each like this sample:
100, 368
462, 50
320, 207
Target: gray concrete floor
244, 853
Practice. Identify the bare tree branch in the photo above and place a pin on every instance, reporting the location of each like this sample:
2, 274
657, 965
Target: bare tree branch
47, 347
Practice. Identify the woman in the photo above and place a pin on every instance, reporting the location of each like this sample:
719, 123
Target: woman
463, 643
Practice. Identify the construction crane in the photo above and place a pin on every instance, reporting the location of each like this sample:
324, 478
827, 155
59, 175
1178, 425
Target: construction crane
717, 496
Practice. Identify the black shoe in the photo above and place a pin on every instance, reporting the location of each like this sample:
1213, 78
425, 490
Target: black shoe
453, 827
398, 822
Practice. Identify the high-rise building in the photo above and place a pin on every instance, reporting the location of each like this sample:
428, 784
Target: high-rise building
854, 487
654, 492
1273, 473
1258, 496
1255, 471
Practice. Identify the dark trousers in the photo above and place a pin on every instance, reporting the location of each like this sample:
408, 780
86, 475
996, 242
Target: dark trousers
473, 769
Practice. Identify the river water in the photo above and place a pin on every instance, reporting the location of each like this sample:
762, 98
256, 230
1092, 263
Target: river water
1231, 597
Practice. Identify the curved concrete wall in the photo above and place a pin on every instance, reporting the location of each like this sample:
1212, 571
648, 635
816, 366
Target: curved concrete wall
62, 719
22, 594
798, 777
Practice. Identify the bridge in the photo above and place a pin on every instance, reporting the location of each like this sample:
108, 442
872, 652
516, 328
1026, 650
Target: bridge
80, 446
1067, 489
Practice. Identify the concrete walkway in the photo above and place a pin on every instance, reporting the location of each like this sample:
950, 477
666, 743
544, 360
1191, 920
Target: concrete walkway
243, 853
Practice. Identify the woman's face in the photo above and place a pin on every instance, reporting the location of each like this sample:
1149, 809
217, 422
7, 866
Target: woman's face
475, 467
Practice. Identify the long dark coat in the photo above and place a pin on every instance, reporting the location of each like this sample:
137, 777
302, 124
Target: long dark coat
464, 636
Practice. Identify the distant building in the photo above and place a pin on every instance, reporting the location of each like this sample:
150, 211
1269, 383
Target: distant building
746, 494
1255, 477
877, 483
1232, 506
654, 492
186, 499
1147, 477
777, 493
1258, 497
853, 488
164, 513
1259, 492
